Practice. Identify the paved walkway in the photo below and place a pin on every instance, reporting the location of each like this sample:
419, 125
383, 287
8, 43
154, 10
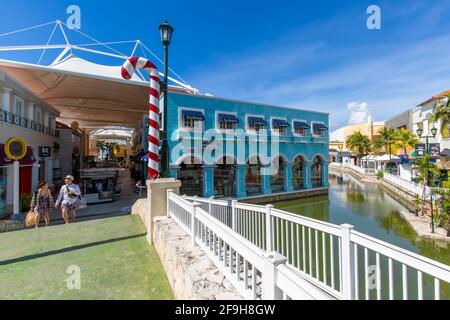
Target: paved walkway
112, 255
121, 206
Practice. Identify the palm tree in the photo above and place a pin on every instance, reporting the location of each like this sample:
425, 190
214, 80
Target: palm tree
358, 143
426, 170
405, 140
386, 138
441, 113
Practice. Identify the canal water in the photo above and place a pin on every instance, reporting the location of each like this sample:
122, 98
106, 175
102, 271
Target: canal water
373, 212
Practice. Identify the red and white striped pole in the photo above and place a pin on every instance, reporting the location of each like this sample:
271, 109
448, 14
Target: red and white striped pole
128, 69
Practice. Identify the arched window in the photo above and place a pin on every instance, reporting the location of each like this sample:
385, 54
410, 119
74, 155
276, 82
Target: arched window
298, 173
253, 176
277, 178
191, 177
225, 177
317, 172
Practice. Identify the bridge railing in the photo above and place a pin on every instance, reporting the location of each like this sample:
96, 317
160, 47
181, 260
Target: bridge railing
336, 260
254, 272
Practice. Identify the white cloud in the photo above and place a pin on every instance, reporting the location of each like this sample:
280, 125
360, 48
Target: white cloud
359, 112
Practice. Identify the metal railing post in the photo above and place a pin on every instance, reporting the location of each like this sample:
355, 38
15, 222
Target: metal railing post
169, 191
233, 215
270, 291
195, 207
210, 200
269, 235
347, 267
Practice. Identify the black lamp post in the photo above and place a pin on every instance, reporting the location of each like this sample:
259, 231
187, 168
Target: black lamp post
427, 151
166, 37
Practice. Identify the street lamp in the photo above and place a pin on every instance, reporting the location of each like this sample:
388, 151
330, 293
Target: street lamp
166, 37
427, 151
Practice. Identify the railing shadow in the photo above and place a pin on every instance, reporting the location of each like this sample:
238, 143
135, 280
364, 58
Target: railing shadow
68, 249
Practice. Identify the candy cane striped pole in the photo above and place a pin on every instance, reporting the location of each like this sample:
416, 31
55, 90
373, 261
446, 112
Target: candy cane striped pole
128, 69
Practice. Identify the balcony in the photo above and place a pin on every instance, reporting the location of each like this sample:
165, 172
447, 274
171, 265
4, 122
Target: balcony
17, 120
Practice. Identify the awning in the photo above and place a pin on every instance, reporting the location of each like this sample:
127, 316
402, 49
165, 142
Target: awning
445, 153
195, 115
301, 125
319, 126
228, 118
280, 123
256, 121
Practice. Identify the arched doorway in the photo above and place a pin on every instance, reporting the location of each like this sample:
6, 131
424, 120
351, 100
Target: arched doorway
317, 172
225, 177
191, 177
253, 177
277, 177
298, 173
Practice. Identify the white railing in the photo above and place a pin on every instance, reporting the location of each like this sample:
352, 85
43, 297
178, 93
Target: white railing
410, 186
322, 260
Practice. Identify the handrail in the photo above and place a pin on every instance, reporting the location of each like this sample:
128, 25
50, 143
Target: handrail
318, 254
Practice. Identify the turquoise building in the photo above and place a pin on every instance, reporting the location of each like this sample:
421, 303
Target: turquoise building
229, 148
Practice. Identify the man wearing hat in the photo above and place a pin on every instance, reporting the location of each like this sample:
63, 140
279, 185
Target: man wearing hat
68, 197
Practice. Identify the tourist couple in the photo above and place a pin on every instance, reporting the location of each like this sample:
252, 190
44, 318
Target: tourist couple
69, 197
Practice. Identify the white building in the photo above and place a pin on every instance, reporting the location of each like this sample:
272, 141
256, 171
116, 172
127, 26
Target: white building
24, 115
421, 116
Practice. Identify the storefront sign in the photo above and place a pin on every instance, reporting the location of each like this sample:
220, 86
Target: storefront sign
45, 151
435, 149
15, 148
420, 150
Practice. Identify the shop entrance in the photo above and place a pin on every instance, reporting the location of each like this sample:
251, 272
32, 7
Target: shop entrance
225, 178
191, 177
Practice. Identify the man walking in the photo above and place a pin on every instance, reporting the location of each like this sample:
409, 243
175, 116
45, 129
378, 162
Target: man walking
68, 197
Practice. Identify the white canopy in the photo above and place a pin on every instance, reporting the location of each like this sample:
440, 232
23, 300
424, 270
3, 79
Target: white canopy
382, 158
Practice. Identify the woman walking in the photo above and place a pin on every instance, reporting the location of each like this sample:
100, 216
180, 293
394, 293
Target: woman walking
41, 203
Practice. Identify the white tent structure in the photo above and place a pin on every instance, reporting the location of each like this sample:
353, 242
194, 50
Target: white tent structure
94, 95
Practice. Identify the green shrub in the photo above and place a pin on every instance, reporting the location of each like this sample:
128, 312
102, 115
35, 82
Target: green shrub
380, 174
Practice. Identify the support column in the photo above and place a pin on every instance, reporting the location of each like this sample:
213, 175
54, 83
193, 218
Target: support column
30, 111
241, 170
16, 191
265, 179
157, 201
325, 173
35, 176
208, 180
307, 170
173, 171
6, 99
288, 176
48, 174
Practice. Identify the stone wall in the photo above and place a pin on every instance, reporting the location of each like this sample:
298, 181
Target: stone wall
9, 225
191, 274
266, 199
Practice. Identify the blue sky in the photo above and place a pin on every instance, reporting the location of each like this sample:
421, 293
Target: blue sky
309, 54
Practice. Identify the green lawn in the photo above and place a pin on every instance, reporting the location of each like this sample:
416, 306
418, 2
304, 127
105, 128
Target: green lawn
113, 255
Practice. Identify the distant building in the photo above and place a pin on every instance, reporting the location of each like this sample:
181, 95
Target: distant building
369, 128
402, 120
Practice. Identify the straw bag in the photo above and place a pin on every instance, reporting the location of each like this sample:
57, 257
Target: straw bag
30, 219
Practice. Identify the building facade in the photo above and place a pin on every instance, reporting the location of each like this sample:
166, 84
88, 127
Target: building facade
229, 148
24, 115
403, 120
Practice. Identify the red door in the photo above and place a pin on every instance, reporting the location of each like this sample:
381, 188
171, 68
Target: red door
25, 177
